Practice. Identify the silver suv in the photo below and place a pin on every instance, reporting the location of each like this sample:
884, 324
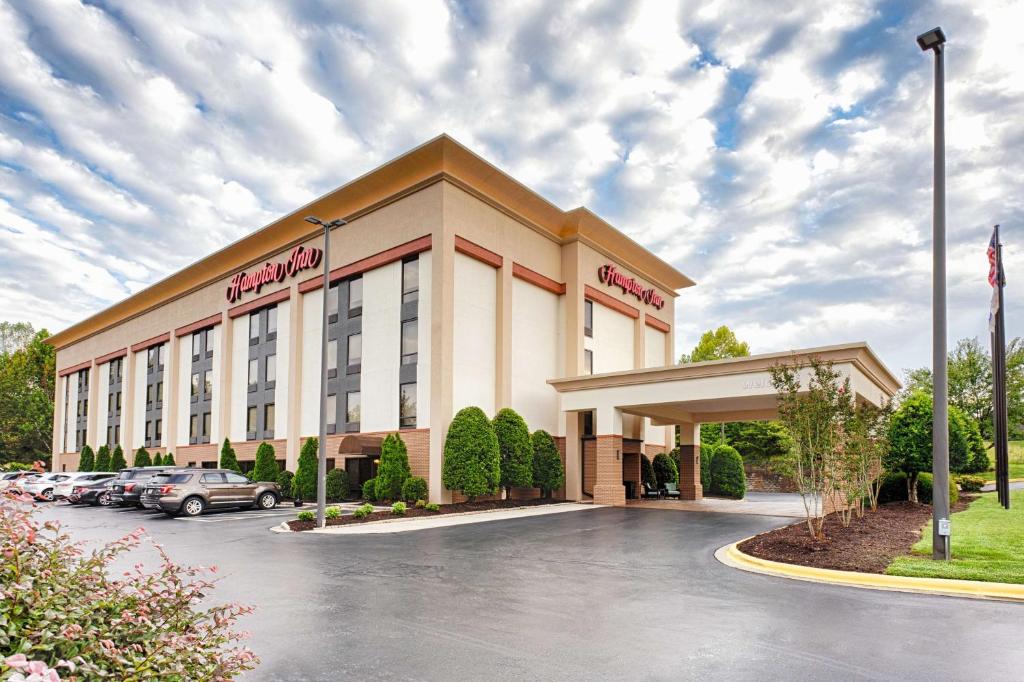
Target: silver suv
191, 491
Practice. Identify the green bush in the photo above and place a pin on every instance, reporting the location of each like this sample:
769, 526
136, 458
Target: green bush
363, 511
978, 461
924, 489
306, 515
228, 460
516, 449
893, 488
414, 488
332, 512
169, 459
142, 458
87, 461
304, 484
266, 468
472, 460
970, 484
420, 504
647, 472
117, 461
665, 470
103, 462
398, 508
432, 506
707, 453
158, 460
337, 484
548, 471
727, 478
284, 480
910, 437
393, 468
370, 490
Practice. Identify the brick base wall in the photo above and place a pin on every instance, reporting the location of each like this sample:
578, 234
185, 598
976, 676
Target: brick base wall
761, 480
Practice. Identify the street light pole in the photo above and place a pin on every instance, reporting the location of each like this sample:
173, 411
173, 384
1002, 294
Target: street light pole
321, 467
934, 40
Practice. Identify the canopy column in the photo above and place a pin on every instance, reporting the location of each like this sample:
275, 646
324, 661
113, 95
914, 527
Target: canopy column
689, 461
608, 486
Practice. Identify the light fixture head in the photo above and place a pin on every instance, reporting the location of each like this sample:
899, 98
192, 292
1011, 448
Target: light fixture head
931, 40
338, 222
313, 219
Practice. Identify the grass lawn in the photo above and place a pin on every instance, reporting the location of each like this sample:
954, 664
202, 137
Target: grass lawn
1016, 461
988, 544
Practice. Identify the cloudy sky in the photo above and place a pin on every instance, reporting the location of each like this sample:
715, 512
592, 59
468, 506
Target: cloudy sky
779, 155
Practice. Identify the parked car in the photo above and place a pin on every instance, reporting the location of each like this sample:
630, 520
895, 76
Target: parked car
17, 478
94, 493
63, 489
42, 487
128, 485
191, 491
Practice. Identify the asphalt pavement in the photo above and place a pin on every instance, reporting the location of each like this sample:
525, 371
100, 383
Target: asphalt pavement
607, 594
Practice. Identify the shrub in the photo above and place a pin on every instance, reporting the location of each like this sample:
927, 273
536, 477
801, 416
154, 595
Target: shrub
158, 460
266, 468
103, 462
337, 484
910, 438
370, 490
117, 461
647, 472
169, 460
548, 471
142, 458
420, 504
924, 489
893, 488
665, 470
472, 460
398, 508
978, 454
393, 468
726, 474
515, 449
284, 480
304, 484
707, 453
87, 462
332, 512
432, 506
228, 460
363, 511
414, 488
59, 603
306, 515
971, 484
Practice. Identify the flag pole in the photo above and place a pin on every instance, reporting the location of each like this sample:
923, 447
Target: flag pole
999, 381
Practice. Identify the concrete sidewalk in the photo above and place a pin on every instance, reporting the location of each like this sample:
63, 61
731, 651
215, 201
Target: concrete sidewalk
762, 504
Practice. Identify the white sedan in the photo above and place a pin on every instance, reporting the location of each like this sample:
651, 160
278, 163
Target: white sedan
63, 489
42, 488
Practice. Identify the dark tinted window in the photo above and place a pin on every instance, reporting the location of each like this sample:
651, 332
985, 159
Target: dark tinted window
235, 478
161, 479
213, 478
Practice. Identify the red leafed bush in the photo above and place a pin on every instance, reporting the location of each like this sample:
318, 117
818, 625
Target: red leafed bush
66, 615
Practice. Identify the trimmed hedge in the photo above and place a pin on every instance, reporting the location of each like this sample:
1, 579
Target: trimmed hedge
970, 484
228, 460
103, 462
284, 480
414, 489
548, 471
665, 470
393, 468
647, 472
304, 483
266, 468
894, 488
169, 460
516, 449
142, 458
370, 490
707, 453
727, 478
87, 462
924, 489
158, 460
472, 460
337, 484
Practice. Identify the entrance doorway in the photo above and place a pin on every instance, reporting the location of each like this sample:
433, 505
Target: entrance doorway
361, 455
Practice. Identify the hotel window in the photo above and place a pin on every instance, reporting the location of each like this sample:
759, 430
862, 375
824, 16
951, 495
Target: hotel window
332, 358
201, 402
82, 409
332, 413
588, 318
155, 356
355, 297
409, 342
407, 406
332, 304
410, 280
262, 378
588, 362
344, 350
114, 401
355, 353
352, 411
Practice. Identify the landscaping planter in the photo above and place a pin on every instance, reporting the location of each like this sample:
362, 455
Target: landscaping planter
413, 512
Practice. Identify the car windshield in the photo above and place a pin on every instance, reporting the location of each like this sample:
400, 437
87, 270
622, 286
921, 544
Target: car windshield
8, 477
125, 474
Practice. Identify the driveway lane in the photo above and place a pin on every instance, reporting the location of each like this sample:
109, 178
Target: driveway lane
601, 594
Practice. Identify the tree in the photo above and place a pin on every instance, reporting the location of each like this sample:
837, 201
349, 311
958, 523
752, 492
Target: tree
337, 486
472, 460
87, 461
228, 460
665, 470
726, 473
117, 460
393, 468
266, 468
304, 482
647, 472
548, 470
169, 460
103, 462
158, 460
910, 439
14, 336
142, 458
27, 369
717, 344
516, 450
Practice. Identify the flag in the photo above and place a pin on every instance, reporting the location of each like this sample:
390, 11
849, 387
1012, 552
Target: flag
993, 278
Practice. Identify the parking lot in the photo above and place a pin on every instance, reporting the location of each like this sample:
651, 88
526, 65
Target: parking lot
611, 594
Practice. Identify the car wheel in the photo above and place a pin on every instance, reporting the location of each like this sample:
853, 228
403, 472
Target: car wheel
103, 499
267, 501
193, 506
47, 495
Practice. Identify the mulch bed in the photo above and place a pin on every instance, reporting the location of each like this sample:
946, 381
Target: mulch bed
412, 512
867, 545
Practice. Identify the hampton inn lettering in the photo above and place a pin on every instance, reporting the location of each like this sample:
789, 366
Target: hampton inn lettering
613, 278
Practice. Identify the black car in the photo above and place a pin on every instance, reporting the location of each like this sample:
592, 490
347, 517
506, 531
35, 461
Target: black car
127, 487
93, 493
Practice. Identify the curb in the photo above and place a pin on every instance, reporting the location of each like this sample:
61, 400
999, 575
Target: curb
731, 556
1012, 480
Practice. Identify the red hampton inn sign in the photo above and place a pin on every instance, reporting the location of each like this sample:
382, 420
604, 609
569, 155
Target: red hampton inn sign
299, 260
613, 278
